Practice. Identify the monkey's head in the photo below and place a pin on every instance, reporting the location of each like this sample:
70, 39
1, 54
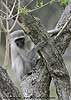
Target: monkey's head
21, 40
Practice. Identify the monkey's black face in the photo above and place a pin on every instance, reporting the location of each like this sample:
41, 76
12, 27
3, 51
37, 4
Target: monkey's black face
20, 42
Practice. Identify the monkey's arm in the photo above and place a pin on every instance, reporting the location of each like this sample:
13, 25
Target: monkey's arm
33, 54
37, 47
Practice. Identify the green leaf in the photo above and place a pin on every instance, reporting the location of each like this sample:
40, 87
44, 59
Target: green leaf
63, 2
23, 11
39, 3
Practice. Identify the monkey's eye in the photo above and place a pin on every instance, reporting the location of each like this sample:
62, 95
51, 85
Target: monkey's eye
20, 42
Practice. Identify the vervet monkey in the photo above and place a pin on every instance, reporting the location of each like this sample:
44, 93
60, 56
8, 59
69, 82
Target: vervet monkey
22, 57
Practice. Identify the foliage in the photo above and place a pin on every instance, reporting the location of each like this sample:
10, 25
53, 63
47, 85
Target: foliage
63, 2
23, 11
39, 3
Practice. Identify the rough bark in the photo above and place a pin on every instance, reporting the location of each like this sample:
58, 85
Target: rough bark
63, 40
8, 91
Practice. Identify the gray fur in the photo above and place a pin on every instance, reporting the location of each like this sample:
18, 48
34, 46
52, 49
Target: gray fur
23, 59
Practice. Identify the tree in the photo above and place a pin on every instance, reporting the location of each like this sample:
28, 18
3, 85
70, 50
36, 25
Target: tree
54, 45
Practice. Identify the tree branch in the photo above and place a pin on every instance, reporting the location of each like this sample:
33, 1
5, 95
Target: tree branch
16, 17
65, 25
12, 9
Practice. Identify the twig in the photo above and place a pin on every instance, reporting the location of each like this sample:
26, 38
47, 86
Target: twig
12, 15
30, 11
65, 25
2, 25
3, 18
53, 31
16, 17
3, 12
12, 9
6, 6
28, 4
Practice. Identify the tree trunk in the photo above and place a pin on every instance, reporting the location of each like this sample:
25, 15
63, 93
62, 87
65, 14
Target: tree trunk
8, 90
